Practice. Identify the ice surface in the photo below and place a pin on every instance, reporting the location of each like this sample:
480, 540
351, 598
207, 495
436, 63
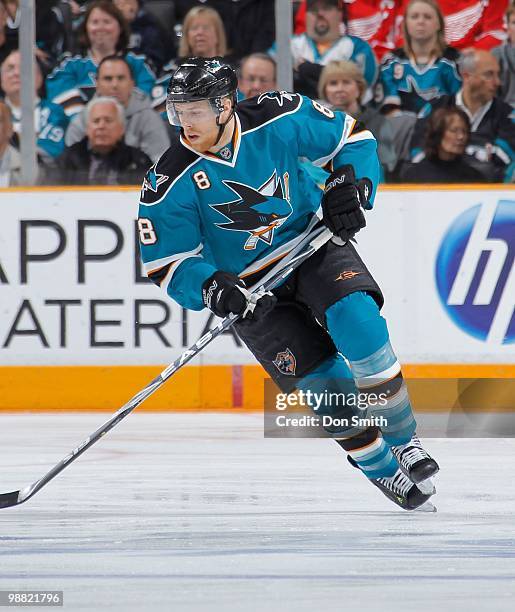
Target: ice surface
199, 512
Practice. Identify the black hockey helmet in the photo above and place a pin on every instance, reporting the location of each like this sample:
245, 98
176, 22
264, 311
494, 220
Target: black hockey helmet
199, 78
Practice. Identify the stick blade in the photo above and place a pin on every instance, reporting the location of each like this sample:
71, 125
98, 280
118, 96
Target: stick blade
9, 499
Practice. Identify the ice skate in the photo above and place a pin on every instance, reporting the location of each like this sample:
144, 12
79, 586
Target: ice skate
399, 488
416, 463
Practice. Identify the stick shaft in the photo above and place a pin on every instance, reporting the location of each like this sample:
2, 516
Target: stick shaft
7, 499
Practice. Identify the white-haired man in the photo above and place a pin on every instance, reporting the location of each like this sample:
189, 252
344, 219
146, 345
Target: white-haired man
145, 129
102, 157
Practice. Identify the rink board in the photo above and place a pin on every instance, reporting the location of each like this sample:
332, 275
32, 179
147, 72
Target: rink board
81, 328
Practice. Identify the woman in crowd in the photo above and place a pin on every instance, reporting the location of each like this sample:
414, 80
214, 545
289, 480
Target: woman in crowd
103, 32
7, 44
50, 121
425, 67
342, 85
203, 35
50, 29
146, 37
447, 135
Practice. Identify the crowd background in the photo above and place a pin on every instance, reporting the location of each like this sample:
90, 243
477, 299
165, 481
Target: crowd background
434, 81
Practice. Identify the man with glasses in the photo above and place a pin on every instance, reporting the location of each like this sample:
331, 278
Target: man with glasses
491, 148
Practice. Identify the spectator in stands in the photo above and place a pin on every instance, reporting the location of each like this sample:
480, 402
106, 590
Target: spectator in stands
469, 23
447, 134
203, 35
103, 32
50, 29
257, 75
492, 120
144, 127
505, 55
13, 17
10, 161
51, 121
51, 38
370, 20
146, 37
424, 68
343, 86
249, 24
323, 43
102, 157
6, 44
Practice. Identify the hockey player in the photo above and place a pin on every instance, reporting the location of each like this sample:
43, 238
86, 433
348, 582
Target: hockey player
229, 200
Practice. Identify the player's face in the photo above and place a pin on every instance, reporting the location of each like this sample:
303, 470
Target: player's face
323, 21
422, 22
128, 8
455, 137
115, 80
104, 128
257, 77
342, 91
103, 30
202, 37
198, 122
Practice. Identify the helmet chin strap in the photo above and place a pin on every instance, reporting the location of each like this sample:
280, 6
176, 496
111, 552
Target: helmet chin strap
221, 126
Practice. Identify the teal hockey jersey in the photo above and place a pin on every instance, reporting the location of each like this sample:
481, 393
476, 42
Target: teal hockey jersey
248, 206
50, 122
73, 82
404, 83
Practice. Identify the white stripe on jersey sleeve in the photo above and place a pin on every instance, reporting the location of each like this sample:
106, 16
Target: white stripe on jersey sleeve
363, 135
347, 129
167, 279
157, 264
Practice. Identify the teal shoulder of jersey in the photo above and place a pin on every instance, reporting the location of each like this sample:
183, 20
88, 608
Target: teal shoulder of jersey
242, 209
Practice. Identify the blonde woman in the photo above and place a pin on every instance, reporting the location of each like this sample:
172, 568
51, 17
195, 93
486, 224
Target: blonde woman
342, 87
425, 67
203, 34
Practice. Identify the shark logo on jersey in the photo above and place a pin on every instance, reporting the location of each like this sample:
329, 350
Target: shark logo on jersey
412, 86
152, 180
278, 96
258, 212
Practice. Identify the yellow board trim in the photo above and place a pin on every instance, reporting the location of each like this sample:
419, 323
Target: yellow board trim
206, 388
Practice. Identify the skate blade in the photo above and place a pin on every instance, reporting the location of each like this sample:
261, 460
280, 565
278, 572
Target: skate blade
427, 506
427, 486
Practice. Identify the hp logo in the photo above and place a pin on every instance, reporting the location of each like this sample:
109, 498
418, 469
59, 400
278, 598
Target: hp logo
475, 272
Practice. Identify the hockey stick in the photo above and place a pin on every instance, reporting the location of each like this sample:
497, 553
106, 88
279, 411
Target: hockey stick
15, 498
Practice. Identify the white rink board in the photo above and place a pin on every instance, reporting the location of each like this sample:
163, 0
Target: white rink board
84, 310
105, 289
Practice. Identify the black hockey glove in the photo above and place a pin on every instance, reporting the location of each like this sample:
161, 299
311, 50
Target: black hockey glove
343, 201
224, 293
